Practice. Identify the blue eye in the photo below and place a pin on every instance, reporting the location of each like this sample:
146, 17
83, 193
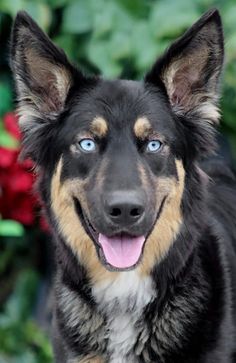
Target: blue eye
153, 146
87, 145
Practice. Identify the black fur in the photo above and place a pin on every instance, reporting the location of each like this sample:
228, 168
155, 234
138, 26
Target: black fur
192, 317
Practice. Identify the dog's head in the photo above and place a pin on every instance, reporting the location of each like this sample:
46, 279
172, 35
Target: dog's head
114, 155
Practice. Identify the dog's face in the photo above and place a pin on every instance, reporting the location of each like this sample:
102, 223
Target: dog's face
119, 166
114, 155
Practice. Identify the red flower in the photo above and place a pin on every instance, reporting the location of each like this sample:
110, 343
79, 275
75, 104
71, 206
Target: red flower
11, 125
24, 212
20, 179
17, 200
7, 157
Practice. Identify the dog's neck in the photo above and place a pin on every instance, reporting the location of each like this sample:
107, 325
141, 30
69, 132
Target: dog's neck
125, 292
122, 300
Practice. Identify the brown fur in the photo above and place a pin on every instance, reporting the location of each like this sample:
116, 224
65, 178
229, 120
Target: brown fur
99, 126
101, 174
142, 128
169, 222
70, 226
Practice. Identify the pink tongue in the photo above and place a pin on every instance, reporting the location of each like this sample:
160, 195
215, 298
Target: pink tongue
121, 251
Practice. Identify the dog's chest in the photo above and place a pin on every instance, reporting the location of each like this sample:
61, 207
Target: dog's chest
122, 301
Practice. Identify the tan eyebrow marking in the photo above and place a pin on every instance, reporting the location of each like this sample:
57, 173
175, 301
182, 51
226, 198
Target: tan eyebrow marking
142, 128
99, 126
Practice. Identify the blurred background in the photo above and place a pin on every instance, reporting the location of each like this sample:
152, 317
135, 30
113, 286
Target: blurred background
118, 38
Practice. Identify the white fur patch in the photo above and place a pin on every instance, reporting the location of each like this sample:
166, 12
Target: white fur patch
122, 300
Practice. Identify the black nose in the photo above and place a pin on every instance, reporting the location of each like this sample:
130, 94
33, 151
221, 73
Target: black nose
124, 207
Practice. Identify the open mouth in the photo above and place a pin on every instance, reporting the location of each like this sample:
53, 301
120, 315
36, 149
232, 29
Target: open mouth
120, 252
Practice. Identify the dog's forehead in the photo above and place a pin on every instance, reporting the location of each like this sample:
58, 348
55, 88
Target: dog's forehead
118, 92
121, 103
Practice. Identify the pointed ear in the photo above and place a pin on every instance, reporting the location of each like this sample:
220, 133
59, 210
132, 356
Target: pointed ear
42, 72
43, 78
190, 69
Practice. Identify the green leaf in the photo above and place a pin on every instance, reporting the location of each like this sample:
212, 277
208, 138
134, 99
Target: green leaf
67, 43
119, 45
108, 18
26, 357
20, 304
5, 97
77, 17
169, 19
6, 257
11, 7
229, 18
104, 14
38, 338
146, 49
9, 228
6, 140
230, 48
102, 59
39, 11
136, 8
57, 3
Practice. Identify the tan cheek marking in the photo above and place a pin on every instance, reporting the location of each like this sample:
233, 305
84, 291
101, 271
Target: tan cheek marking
70, 227
143, 176
100, 177
142, 128
99, 127
168, 224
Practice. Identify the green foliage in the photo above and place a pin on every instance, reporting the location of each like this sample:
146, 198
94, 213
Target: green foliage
6, 140
77, 18
39, 10
5, 95
118, 38
21, 339
11, 228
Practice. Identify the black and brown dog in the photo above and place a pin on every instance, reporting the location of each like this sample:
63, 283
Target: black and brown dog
144, 231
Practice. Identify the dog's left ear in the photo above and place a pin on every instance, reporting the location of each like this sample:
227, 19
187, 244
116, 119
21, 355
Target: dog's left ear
42, 72
190, 71
43, 78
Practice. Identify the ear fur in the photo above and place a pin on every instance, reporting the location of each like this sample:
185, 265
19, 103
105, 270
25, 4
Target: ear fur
189, 73
43, 78
42, 72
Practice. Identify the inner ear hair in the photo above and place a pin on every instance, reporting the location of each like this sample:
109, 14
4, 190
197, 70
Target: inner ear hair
50, 82
181, 79
42, 72
190, 69
193, 75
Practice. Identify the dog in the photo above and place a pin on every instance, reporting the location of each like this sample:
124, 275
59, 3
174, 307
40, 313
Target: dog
142, 212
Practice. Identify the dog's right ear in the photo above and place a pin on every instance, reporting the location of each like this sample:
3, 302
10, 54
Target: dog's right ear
43, 77
189, 72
